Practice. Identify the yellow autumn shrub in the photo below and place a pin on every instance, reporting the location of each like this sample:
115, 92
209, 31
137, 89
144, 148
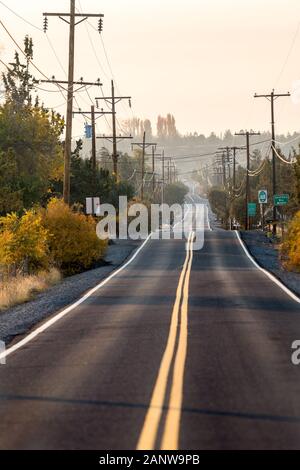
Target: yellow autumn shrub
73, 242
53, 236
291, 245
23, 238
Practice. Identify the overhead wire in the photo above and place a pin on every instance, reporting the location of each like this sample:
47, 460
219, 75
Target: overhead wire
288, 162
21, 17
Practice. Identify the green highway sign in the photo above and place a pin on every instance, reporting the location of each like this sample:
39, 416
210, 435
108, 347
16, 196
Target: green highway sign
281, 199
263, 196
251, 209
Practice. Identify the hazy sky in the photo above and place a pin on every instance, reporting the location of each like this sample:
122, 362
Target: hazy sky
201, 60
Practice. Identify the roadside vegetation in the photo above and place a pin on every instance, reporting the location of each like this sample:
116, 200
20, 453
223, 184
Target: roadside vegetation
291, 245
228, 203
41, 238
20, 289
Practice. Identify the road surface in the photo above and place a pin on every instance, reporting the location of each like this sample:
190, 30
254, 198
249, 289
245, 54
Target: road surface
182, 349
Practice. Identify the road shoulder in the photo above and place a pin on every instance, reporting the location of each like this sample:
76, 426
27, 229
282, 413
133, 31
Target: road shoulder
20, 319
266, 255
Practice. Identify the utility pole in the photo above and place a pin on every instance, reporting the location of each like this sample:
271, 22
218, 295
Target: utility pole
248, 134
163, 178
272, 97
227, 149
143, 166
143, 145
224, 169
112, 101
72, 16
234, 149
221, 160
174, 172
92, 116
169, 170
153, 165
94, 147
153, 168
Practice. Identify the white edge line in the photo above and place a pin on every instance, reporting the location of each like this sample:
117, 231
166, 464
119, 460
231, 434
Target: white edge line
71, 307
267, 273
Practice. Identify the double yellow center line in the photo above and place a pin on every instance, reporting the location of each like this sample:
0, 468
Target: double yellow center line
149, 431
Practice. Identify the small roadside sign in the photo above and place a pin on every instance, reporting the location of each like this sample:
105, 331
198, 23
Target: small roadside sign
88, 131
281, 199
251, 209
263, 196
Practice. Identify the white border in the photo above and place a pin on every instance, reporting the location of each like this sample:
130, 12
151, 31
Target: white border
267, 273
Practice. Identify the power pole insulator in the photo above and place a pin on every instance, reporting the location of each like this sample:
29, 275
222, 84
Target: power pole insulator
45, 24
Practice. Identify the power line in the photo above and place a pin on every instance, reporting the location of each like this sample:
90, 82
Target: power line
22, 51
282, 159
288, 54
258, 170
21, 17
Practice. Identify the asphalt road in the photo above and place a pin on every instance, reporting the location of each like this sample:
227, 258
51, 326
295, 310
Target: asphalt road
182, 349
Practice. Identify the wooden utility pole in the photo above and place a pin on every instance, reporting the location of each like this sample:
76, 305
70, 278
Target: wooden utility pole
94, 148
72, 16
225, 159
143, 145
163, 178
92, 116
234, 149
153, 168
112, 101
173, 173
224, 169
220, 160
114, 127
247, 198
143, 166
272, 97
68, 142
169, 170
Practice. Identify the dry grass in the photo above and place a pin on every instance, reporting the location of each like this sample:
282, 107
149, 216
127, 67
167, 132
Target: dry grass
22, 289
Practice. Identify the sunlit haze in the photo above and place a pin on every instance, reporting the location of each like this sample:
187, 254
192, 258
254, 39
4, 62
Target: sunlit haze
200, 60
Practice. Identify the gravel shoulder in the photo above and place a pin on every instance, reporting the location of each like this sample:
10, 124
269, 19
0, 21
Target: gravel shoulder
20, 319
267, 257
